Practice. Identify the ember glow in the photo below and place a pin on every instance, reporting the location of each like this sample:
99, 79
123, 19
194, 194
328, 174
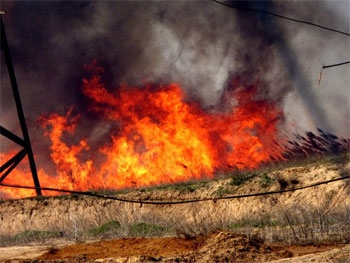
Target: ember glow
158, 137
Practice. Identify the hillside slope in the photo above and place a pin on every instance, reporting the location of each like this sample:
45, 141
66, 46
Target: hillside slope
319, 214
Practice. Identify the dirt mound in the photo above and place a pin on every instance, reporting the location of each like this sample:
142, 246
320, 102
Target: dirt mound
217, 247
126, 247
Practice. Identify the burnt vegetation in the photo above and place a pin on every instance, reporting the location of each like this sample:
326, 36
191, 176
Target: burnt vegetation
312, 144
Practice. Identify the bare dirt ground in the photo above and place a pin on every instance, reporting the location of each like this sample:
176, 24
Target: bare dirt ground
217, 247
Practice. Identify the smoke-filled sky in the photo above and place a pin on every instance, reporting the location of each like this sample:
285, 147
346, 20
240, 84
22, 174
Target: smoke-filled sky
201, 45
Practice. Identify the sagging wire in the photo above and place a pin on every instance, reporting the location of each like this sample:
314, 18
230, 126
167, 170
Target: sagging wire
281, 16
176, 202
294, 20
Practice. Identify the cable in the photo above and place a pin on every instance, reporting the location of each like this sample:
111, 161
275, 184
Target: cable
167, 202
281, 16
329, 66
335, 65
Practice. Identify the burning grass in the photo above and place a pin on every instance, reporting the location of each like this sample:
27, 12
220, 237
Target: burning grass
153, 135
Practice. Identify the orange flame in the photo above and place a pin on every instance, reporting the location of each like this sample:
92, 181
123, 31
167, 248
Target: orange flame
160, 138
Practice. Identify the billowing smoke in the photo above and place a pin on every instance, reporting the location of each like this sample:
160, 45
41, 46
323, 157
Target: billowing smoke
201, 44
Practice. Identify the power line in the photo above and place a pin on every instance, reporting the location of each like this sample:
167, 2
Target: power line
170, 202
329, 66
281, 16
335, 65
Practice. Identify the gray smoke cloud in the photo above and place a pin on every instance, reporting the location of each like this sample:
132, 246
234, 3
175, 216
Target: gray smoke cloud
200, 44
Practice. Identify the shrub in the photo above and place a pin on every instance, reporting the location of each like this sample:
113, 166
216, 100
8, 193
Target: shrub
106, 228
145, 229
265, 180
35, 235
240, 178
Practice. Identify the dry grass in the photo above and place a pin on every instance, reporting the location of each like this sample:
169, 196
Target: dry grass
317, 215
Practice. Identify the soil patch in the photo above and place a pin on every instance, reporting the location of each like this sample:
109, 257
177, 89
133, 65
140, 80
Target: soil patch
152, 247
217, 247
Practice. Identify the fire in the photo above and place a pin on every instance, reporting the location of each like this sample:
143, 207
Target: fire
21, 175
72, 173
158, 137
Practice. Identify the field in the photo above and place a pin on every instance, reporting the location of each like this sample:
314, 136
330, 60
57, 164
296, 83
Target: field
292, 224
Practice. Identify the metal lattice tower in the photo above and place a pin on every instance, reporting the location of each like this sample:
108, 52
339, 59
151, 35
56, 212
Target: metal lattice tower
24, 142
